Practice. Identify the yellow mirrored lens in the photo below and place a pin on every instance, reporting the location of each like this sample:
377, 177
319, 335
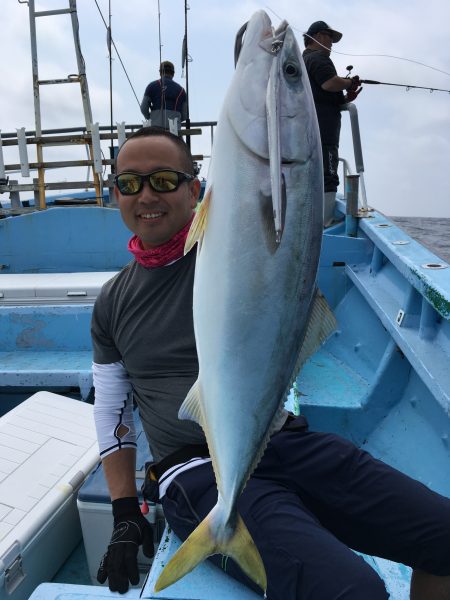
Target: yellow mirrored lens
129, 183
164, 181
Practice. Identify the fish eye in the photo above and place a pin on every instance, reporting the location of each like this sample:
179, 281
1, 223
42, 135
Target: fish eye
291, 70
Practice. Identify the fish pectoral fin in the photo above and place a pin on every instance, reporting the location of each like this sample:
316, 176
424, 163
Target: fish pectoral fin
201, 544
199, 223
191, 409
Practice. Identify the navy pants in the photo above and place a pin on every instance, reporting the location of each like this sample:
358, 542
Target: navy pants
312, 498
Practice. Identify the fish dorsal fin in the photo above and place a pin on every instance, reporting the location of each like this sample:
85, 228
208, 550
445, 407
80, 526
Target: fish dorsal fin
199, 223
321, 323
191, 409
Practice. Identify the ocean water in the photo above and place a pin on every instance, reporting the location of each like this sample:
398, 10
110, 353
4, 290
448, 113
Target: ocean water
433, 233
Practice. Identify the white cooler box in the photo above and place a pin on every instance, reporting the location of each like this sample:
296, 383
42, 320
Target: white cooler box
94, 507
47, 447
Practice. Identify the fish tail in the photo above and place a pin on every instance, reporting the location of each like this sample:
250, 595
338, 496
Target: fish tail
202, 543
243, 550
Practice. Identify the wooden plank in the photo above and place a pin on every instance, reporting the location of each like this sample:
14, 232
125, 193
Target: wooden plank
65, 185
190, 131
130, 127
70, 163
55, 140
54, 165
80, 138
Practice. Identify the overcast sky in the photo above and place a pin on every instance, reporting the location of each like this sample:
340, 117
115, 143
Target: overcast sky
405, 135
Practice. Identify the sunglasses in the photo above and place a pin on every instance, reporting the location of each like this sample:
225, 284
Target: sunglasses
162, 181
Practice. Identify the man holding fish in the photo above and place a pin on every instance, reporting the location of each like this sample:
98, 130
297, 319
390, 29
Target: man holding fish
207, 339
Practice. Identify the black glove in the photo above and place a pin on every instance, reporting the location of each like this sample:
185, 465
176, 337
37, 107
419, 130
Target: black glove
131, 529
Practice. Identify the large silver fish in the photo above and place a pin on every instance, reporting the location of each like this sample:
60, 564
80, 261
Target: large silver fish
255, 304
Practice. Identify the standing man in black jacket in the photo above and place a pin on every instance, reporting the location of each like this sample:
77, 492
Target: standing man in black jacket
327, 88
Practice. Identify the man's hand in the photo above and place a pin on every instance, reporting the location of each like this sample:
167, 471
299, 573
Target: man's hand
131, 529
352, 95
354, 89
356, 82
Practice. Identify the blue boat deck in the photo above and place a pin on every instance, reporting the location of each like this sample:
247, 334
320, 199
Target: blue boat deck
327, 381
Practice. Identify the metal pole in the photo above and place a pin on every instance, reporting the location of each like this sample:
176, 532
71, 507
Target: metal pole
188, 121
351, 212
357, 148
111, 148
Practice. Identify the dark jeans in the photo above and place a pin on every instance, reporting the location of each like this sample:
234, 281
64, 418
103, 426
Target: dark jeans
330, 155
312, 498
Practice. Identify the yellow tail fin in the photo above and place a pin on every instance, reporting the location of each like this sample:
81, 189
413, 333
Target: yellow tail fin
201, 544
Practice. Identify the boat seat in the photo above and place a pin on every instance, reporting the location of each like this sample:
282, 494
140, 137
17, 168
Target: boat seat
47, 369
29, 289
46, 346
71, 591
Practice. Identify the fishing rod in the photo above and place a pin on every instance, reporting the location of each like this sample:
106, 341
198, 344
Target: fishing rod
109, 40
159, 34
405, 85
186, 54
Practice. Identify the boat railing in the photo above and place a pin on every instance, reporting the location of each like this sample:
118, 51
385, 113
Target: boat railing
357, 150
98, 135
73, 136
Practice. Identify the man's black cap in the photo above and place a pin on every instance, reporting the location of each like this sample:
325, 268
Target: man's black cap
318, 26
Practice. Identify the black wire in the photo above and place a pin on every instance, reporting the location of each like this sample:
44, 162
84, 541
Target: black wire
118, 55
366, 55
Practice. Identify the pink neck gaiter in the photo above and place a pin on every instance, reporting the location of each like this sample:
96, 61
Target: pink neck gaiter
160, 255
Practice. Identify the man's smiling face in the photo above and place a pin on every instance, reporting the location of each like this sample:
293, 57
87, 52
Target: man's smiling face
155, 217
